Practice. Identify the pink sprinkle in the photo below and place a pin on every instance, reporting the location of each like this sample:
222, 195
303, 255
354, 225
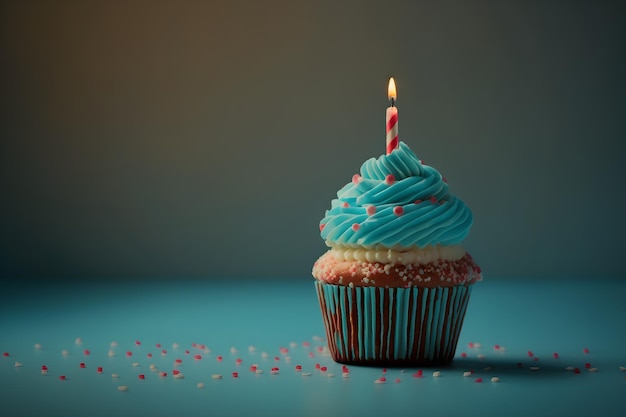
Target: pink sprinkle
5, 354
253, 368
463, 355
356, 178
530, 353
323, 369
284, 350
390, 179
235, 374
86, 352
178, 361
444, 179
175, 372
418, 374
158, 345
164, 352
298, 367
496, 347
137, 342
576, 370
142, 376
433, 199
197, 357
382, 379
276, 358
193, 344
398, 210
478, 380
397, 380
99, 370
149, 354
555, 355
320, 348
418, 201
129, 353
371, 210
345, 205
317, 366
587, 365
585, 350
384, 370
275, 369
62, 377
238, 362
44, 368
536, 359
82, 365
219, 358
311, 354
306, 344
470, 345
322, 226
162, 374
187, 352
356, 226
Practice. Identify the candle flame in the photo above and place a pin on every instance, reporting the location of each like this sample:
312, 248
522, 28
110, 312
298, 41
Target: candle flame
391, 90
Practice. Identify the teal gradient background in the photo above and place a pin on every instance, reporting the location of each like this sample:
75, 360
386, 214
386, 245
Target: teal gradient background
162, 139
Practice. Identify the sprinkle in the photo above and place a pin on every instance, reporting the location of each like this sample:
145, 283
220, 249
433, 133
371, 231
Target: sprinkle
175, 372
276, 358
345, 374
235, 374
418, 374
622, 368
274, 371
470, 345
534, 368
298, 368
384, 371
258, 371
322, 226
179, 375
398, 210
62, 378
463, 355
197, 356
178, 361
18, 364
163, 352
329, 375
569, 368
153, 367
345, 205
99, 369
433, 199
253, 348
587, 365
371, 210
306, 373
141, 376
115, 375
555, 355
78, 341
397, 380
122, 388
82, 365
158, 346
390, 179
356, 226
467, 373
264, 355
496, 347
175, 345
576, 370
137, 343
530, 353
200, 385
495, 379
219, 358
323, 369
113, 344
380, 380
436, 374
37, 345
478, 380
111, 353
356, 178
593, 369
418, 201
585, 350
129, 354
65, 352
480, 356
86, 352
136, 364
163, 374
238, 361
253, 367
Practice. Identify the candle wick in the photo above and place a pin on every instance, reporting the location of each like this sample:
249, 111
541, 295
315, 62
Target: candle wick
393, 102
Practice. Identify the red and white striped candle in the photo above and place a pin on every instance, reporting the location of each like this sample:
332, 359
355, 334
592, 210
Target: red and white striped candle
392, 118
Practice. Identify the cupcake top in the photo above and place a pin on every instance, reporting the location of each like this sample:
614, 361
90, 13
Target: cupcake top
396, 202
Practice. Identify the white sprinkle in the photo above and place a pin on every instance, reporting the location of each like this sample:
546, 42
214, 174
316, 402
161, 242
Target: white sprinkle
174, 345
480, 356
330, 375
37, 345
293, 345
216, 376
467, 373
18, 364
123, 388
436, 374
233, 349
115, 375
258, 371
251, 348
113, 344
264, 355
534, 368
111, 353
495, 379
569, 368
380, 381
593, 369
78, 341
153, 367
200, 385
44, 372
345, 374
487, 368
476, 345
622, 368
136, 364
65, 352
306, 373
178, 376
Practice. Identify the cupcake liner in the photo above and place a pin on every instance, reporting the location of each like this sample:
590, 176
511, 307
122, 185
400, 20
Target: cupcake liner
392, 326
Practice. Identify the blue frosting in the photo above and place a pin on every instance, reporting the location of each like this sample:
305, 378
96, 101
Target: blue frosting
414, 208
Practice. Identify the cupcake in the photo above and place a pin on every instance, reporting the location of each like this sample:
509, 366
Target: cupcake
394, 285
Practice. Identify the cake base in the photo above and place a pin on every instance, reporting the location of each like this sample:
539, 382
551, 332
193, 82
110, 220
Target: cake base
414, 326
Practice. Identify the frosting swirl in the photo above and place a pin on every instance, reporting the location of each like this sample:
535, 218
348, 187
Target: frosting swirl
396, 202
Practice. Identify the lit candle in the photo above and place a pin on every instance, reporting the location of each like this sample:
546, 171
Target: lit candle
392, 118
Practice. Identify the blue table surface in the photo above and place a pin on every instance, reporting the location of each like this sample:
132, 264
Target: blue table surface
270, 324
